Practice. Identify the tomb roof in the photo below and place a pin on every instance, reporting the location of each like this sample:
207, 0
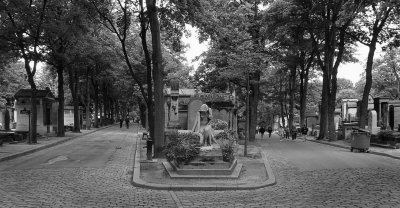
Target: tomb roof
39, 93
182, 92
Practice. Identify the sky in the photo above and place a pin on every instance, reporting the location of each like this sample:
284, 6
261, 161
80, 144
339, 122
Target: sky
195, 48
351, 71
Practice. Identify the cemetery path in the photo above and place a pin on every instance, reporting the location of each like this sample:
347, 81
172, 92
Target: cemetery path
95, 171
310, 156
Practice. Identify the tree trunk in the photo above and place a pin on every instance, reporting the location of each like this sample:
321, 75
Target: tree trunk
96, 105
77, 123
61, 99
105, 120
323, 122
292, 83
305, 69
33, 113
255, 93
7, 119
158, 78
88, 122
281, 103
101, 112
112, 113
377, 28
150, 104
73, 86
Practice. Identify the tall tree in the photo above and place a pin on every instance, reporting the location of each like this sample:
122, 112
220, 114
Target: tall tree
379, 14
23, 22
158, 71
328, 23
65, 25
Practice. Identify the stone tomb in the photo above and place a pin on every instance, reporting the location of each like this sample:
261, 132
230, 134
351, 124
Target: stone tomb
45, 107
394, 115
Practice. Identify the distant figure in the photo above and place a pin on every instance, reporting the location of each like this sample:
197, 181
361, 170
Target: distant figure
287, 133
269, 131
120, 122
294, 133
304, 131
127, 122
262, 130
281, 133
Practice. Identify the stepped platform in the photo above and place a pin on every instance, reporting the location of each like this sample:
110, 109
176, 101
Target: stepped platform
208, 164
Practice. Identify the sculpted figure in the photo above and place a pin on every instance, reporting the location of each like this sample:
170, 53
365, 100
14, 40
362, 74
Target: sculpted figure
206, 132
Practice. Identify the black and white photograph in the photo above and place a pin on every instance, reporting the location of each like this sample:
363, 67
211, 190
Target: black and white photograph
199, 103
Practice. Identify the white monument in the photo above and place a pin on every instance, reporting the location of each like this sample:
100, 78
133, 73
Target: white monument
372, 122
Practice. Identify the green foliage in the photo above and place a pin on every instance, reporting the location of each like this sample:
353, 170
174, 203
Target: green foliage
218, 124
182, 147
346, 93
386, 135
12, 79
226, 141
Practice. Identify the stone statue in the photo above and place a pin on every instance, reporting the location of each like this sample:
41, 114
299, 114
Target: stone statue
202, 128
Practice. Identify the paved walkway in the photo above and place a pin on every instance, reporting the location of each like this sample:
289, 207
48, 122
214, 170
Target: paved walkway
389, 152
109, 186
10, 151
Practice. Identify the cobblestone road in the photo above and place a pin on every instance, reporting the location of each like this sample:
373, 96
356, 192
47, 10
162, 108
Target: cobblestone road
109, 186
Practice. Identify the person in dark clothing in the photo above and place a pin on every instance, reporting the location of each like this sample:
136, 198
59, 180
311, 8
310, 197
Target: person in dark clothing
127, 122
262, 130
120, 122
294, 133
304, 131
269, 131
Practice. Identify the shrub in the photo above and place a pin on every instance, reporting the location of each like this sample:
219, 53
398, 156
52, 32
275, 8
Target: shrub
227, 141
386, 135
182, 147
218, 124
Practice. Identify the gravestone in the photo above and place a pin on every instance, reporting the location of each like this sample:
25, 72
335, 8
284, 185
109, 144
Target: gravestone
372, 122
396, 116
193, 108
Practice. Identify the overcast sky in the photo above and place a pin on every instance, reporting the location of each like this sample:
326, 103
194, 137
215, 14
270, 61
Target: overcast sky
351, 71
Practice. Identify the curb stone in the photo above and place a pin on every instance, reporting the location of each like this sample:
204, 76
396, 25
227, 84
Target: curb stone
20, 154
138, 182
345, 147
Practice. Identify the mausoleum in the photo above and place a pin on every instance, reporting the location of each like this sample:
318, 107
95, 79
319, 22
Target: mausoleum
182, 105
45, 110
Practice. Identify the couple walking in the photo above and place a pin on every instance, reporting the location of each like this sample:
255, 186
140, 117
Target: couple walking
285, 133
262, 131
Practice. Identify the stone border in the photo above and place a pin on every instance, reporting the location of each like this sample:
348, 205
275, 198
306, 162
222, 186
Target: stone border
137, 181
20, 154
345, 147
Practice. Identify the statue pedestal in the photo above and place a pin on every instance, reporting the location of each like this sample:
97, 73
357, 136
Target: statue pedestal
208, 164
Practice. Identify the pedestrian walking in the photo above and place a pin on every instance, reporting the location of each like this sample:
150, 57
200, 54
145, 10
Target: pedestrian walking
269, 131
287, 133
304, 131
281, 133
120, 122
262, 130
294, 133
127, 122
